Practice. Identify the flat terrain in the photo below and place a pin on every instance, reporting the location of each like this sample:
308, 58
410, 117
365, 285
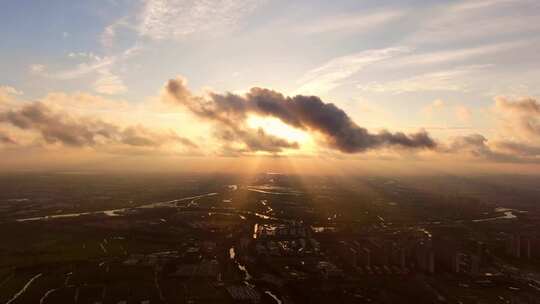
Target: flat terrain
269, 238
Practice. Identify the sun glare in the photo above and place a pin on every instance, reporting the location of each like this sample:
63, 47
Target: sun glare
277, 128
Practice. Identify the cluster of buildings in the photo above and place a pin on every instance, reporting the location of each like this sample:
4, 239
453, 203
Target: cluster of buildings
523, 246
416, 250
291, 230
388, 254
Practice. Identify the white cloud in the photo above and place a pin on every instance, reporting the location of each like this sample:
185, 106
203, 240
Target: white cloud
7, 90
82, 55
331, 74
174, 19
7, 93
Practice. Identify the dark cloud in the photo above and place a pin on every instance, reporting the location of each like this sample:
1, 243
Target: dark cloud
55, 127
308, 113
255, 140
185, 141
229, 112
58, 127
142, 137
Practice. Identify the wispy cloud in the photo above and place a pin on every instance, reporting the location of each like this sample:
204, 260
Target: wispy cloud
92, 64
470, 20
446, 80
106, 81
479, 4
156, 20
110, 32
350, 22
457, 54
332, 74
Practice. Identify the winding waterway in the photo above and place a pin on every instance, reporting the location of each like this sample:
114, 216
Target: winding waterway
115, 212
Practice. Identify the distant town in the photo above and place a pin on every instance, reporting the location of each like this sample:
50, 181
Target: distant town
269, 238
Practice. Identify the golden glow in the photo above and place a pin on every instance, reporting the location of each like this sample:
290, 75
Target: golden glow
276, 127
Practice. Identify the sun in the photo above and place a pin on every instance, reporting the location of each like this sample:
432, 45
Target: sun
277, 128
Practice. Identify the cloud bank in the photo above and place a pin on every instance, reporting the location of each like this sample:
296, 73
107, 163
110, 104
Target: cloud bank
308, 113
56, 127
519, 137
84, 121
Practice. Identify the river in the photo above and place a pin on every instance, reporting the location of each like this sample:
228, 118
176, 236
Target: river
115, 212
25, 287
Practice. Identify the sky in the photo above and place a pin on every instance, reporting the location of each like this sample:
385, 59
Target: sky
176, 83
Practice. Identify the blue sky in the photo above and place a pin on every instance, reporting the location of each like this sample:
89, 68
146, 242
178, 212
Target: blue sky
273, 43
399, 65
